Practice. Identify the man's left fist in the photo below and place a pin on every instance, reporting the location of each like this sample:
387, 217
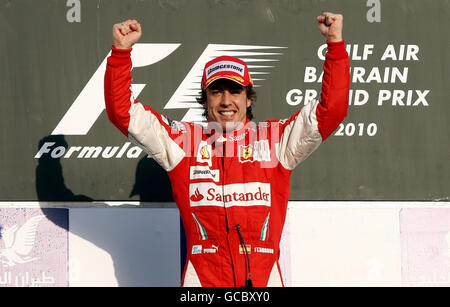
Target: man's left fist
330, 25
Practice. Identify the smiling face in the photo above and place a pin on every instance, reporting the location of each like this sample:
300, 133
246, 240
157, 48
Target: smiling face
227, 104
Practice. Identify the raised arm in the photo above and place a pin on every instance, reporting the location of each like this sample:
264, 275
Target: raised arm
303, 132
336, 78
118, 95
141, 124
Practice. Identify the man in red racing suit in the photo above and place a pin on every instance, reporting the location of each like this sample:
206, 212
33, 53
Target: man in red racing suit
230, 185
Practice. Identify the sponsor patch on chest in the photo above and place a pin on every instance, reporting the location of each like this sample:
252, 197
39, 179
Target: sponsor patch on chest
258, 151
242, 249
238, 194
204, 153
264, 250
203, 172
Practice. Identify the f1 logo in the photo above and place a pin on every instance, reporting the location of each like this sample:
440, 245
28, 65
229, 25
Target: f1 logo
90, 103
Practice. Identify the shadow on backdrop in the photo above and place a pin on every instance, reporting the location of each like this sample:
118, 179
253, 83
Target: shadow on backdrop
152, 185
50, 184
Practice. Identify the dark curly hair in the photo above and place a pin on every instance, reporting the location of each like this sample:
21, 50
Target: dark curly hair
251, 94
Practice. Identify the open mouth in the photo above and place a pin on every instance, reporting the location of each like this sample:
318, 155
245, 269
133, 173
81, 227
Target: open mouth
227, 113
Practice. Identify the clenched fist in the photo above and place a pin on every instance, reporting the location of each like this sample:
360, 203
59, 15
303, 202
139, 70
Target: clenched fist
126, 34
330, 25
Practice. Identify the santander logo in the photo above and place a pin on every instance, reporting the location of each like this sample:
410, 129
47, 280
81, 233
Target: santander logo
212, 194
246, 195
196, 196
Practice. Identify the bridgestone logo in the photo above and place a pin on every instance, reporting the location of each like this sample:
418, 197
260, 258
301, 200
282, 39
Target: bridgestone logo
203, 172
225, 66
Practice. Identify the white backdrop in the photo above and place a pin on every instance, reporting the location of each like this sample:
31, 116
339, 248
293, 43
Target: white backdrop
323, 244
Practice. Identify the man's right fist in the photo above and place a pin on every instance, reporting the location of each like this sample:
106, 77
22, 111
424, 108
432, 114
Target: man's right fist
126, 34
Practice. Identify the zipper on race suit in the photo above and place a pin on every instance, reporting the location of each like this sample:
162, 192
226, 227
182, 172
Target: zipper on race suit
223, 187
248, 280
226, 215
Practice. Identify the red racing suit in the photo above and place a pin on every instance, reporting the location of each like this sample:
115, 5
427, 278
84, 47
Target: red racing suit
232, 188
